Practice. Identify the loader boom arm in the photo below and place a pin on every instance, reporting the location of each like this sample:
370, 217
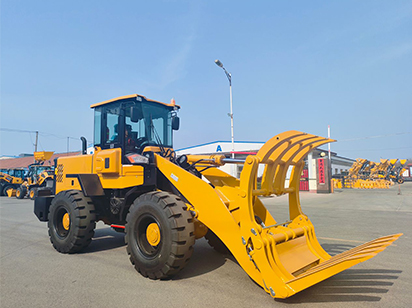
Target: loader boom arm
283, 258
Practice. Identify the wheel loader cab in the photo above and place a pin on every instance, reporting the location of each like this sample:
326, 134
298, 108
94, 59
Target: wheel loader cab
134, 124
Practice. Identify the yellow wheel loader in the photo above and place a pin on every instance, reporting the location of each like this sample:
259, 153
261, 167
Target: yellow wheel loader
135, 182
396, 170
39, 177
10, 179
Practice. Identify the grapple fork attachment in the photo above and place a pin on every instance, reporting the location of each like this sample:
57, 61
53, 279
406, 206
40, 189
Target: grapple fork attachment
287, 254
282, 257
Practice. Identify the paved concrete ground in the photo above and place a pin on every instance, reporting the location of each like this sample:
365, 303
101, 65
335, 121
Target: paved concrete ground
33, 274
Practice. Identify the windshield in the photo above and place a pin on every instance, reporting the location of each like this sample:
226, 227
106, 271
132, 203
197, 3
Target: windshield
39, 169
155, 126
113, 126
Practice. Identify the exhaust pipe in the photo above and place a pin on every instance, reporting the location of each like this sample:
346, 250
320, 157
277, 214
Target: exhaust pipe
84, 145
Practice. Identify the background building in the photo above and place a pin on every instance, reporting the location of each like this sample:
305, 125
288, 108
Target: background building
26, 160
245, 148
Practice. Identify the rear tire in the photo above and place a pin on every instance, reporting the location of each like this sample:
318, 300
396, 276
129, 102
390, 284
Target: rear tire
72, 220
159, 235
21, 192
6, 188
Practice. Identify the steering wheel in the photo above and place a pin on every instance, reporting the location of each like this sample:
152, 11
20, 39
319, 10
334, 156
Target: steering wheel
140, 141
146, 143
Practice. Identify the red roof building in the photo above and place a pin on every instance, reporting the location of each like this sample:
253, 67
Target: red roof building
24, 162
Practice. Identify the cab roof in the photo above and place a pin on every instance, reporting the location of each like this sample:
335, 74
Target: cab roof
172, 104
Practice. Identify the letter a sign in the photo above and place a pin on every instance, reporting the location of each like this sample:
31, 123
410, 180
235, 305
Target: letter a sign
219, 149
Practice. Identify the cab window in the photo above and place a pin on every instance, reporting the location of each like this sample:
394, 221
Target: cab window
112, 134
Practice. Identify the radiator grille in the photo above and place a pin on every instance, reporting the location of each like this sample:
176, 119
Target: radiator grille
59, 174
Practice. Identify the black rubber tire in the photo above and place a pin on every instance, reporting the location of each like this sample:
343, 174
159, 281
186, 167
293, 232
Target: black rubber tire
6, 188
82, 221
216, 243
401, 181
33, 193
177, 237
21, 192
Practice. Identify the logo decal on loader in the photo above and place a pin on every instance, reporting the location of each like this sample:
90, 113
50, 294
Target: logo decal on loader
174, 177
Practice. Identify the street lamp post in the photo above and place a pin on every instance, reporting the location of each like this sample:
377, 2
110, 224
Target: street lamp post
229, 77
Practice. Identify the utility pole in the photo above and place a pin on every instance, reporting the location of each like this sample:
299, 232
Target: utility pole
229, 77
37, 139
329, 142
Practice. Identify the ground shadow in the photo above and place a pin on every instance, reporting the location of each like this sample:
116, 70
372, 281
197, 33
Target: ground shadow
334, 249
105, 239
352, 285
205, 259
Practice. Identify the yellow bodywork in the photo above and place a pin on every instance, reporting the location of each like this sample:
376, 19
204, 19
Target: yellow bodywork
11, 192
282, 257
10, 179
43, 155
115, 175
172, 103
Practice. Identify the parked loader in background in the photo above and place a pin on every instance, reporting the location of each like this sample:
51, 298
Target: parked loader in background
134, 181
39, 177
396, 170
366, 174
10, 179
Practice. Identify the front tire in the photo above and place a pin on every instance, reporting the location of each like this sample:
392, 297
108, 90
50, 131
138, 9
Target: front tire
72, 220
21, 192
159, 235
33, 193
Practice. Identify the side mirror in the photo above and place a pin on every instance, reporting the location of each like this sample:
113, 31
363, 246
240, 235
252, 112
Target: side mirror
175, 123
136, 114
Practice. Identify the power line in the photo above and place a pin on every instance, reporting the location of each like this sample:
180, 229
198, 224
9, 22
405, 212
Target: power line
17, 130
387, 149
372, 137
43, 134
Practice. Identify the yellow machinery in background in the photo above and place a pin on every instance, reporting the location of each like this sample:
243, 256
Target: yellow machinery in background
397, 168
10, 179
365, 174
135, 182
39, 177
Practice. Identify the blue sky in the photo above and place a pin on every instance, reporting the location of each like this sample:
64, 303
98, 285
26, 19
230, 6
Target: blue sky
296, 65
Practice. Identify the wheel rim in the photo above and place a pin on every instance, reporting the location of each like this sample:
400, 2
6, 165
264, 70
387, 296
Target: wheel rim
66, 221
32, 194
62, 222
153, 234
18, 193
148, 236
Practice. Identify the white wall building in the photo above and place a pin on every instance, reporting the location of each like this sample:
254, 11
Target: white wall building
244, 148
